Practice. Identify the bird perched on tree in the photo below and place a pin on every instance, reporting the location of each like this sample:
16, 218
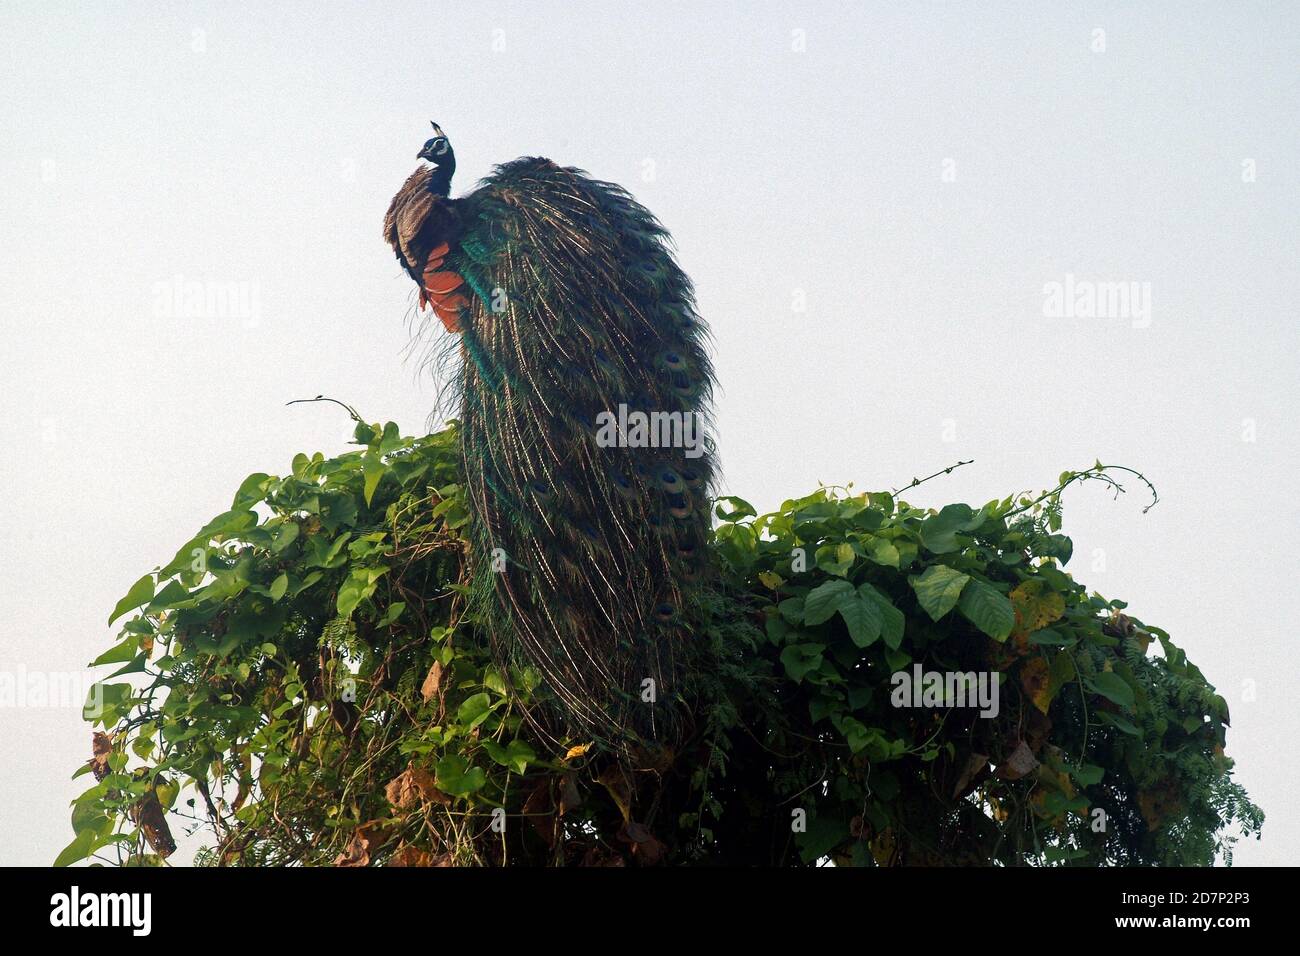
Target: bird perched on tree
582, 380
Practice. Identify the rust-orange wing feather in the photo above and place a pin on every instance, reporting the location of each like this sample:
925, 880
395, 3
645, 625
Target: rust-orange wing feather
421, 226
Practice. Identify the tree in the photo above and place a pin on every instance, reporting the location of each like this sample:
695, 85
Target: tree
306, 681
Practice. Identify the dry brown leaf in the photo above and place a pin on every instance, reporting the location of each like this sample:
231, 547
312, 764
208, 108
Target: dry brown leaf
1018, 763
412, 787
432, 682
148, 814
647, 849
410, 856
357, 853
101, 745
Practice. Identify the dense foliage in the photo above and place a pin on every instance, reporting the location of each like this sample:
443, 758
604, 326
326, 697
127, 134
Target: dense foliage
306, 683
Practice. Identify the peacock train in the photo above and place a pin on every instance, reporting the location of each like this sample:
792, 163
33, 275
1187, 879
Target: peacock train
582, 383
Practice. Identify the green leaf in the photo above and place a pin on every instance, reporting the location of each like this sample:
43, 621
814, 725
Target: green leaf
740, 508
857, 734
824, 600
141, 593
1111, 686
474, 710
393, 612
286, 536
1087, 774
373, 468
863, 617
517, 755
824, 834
454, 776
939, 532
938, 589
883, 551
988, 609
1120, 723
892, 621
173, 593
80, 848
279, 586
802, 659
836, 559
119, 653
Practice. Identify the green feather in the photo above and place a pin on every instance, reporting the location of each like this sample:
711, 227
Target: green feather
605, 569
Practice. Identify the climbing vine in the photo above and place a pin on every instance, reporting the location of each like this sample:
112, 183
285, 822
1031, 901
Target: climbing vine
305, 682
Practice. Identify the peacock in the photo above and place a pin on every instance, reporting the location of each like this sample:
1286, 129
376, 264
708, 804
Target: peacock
582, 381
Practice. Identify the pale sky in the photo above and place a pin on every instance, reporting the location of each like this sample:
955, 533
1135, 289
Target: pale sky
871, 199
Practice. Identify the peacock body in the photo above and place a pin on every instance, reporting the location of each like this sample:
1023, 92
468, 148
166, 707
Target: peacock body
583, 383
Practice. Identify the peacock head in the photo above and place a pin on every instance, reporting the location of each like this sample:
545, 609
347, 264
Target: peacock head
438, 153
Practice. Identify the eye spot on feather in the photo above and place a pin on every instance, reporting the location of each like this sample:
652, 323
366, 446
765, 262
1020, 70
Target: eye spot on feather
670, 481
673, 361
623, 484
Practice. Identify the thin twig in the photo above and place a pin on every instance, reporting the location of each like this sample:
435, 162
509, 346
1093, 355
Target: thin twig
944, 471
321, 398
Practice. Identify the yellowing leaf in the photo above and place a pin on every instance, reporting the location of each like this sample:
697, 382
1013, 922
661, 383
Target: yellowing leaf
578, 751
1035, 606
1036, 679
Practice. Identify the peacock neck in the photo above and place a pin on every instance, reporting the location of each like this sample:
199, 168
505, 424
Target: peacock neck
440, 180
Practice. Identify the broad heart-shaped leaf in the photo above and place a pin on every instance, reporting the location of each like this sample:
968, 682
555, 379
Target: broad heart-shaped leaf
938, 589
740, 508
835, 559
1111, 686
373, 468
883, 551
801, 659
141, 593
453, 775
938, 532
823, 834
891, 618
120, 653
988, 609
824, 600
78, 849
863, 618
474, 710
518, 755
1087, 774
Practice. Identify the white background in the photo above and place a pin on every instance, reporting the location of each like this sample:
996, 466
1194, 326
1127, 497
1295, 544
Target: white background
240, 143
